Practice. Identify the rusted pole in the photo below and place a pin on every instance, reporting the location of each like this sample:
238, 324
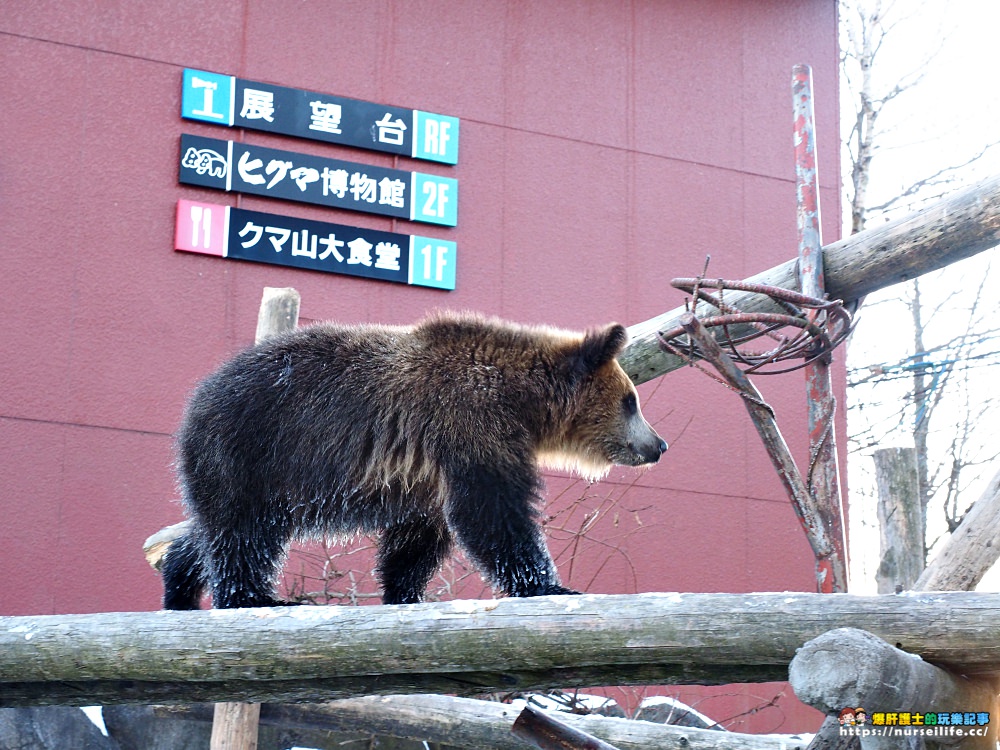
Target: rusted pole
767, 427
823, 477
542, 731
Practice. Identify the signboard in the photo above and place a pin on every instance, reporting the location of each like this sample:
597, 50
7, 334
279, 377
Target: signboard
246, 168
235, 102
229, 232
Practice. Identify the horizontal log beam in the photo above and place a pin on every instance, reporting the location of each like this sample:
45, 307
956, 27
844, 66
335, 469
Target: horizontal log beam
957, 227
466, 647
482, 725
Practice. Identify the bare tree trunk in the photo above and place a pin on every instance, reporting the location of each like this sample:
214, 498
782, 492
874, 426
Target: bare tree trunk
863, 136
901, 520
921, 406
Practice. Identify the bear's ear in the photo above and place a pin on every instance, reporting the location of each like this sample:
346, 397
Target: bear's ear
601, 345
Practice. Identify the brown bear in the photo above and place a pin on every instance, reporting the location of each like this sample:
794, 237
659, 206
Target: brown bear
427, 434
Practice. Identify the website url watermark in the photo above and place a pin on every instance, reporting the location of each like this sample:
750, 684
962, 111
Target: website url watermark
912, 731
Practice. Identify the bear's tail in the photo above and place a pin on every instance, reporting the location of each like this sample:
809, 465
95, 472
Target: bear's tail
183, 574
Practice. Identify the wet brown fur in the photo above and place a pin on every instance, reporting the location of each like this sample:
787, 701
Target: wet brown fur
428, 433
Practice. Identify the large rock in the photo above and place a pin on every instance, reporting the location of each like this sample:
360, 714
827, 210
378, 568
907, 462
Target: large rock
50, 728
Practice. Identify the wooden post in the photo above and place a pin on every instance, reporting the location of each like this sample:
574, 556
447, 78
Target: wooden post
235, 725
279, 312
971, 551
901, 522
156, 546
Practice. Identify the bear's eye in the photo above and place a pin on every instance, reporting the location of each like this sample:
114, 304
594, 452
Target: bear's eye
630, 405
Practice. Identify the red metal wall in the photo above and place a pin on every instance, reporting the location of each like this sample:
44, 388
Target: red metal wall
605, 148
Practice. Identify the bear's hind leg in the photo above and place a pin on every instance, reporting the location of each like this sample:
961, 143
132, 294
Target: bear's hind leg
492, 514
244, 568
183, 573
409, 554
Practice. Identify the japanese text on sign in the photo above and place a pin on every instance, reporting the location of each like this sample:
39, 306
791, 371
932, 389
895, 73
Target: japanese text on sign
226, 100
256, 170
228, 232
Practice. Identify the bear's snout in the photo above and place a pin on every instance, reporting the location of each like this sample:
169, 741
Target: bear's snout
649, 452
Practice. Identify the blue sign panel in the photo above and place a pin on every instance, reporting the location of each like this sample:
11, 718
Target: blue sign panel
208, 97
435, 137
304, 178
228, 232
235, 102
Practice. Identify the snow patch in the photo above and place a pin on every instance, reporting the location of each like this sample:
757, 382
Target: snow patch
96, 715
465, 606
308, 612
573, 604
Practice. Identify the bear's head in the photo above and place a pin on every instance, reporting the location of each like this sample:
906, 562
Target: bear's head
606, 426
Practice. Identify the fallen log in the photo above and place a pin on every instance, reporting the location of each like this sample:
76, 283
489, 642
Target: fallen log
965, 558
483, 725
849, 668
467, 647
959, 226
971, 550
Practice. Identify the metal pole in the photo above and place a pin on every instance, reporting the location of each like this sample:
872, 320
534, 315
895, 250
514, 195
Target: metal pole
541, 730
823, 476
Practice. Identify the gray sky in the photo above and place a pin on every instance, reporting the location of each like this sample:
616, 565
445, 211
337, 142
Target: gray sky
948, 117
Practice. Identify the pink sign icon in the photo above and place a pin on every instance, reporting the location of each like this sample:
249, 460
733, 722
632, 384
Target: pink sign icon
202, 228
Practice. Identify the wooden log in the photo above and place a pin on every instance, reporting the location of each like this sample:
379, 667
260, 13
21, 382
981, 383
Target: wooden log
466, 647
483, 725
971, 550
969, 553
828, 737
156, 546
849, 668
831, 567
901, 520
959, 226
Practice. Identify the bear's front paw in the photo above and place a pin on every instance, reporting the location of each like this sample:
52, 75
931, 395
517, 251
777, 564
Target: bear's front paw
550, 589
561, 590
